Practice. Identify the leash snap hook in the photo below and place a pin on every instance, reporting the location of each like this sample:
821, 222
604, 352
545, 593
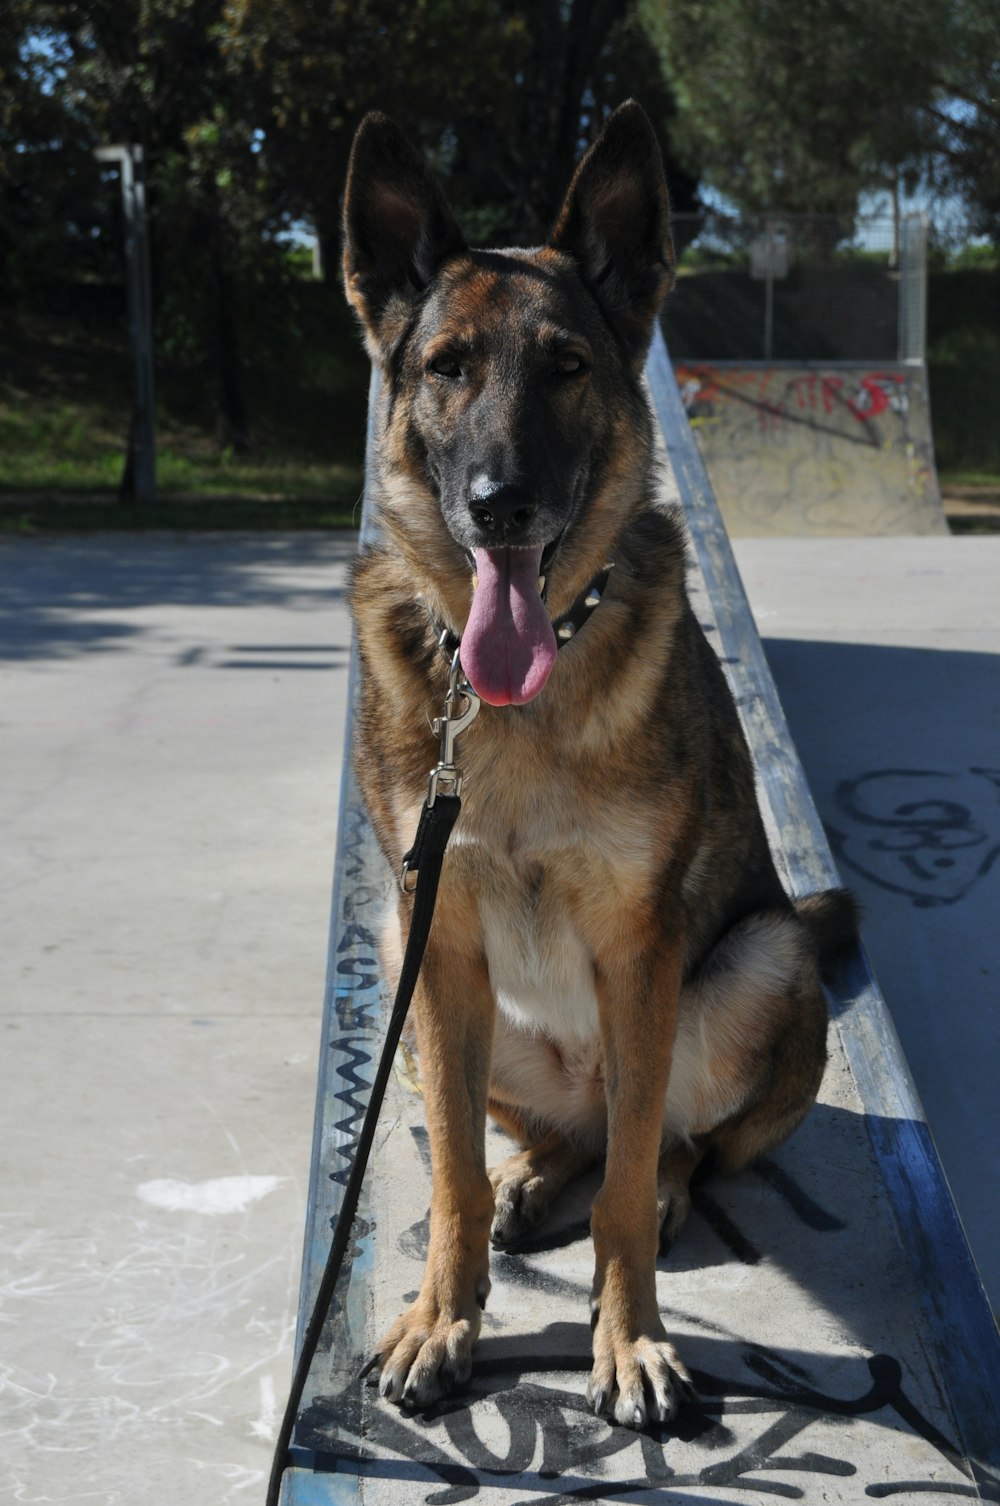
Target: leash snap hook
456, 718
461, 707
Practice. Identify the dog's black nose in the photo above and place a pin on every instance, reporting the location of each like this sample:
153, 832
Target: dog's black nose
501, 508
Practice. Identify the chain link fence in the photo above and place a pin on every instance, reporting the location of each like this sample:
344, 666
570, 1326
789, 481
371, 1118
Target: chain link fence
798, 288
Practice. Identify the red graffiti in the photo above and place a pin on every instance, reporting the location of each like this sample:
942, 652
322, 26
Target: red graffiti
874, 396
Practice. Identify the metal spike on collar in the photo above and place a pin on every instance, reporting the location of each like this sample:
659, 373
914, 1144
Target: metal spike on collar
566, 631
593, 596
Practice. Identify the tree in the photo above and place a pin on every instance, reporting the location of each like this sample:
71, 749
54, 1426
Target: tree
792, 107
962, 118
502, 97
50, 204
151, 73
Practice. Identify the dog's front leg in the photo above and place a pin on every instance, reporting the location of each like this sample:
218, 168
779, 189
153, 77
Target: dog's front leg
637, 1373
428, 1350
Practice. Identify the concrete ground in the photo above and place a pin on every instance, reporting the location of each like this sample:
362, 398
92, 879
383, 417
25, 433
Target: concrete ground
886, 654
171, 716
172, 721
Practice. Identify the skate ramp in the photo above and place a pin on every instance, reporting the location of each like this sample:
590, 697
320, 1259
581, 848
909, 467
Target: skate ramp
825, 1302
799, 449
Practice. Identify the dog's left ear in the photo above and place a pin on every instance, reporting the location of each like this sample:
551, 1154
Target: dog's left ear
398, 230
615, 223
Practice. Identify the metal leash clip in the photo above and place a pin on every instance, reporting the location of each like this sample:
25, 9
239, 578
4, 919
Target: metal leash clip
445, 778
461, 707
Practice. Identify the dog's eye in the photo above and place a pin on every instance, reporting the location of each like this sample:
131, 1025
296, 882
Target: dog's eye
569, 364
444, 366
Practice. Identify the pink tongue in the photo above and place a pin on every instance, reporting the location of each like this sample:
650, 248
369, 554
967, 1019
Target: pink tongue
508, 647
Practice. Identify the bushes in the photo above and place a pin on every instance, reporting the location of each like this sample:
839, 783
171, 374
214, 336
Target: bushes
963, 362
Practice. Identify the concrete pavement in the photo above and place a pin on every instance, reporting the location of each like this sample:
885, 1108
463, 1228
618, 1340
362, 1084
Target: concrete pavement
886, 654
171, 715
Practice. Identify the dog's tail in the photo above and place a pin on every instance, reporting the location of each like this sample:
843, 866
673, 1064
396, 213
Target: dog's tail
832, 918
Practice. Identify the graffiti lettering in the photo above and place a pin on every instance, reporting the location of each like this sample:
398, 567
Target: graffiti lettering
923, 833
747, 1428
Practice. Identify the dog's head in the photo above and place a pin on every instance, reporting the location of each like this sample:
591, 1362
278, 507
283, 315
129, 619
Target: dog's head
516, 440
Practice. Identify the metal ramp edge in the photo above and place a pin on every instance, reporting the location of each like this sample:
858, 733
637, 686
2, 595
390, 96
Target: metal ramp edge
955, 1334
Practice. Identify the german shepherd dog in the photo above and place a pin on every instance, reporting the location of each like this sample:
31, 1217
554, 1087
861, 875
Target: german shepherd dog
614, 968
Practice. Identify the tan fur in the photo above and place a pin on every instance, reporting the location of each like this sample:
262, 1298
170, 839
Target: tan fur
613, 967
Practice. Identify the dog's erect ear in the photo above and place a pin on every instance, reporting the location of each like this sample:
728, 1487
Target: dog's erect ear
615, 223
398, 230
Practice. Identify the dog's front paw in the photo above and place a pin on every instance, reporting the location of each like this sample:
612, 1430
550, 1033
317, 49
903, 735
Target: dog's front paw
637, 1381
427, 1353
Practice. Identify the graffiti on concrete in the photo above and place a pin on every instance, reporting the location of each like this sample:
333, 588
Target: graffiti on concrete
749, 1431
863, 396
799, 450
524, 1423
922, 833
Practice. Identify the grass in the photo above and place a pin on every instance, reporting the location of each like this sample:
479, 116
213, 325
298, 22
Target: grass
61, 465
60, 483
192, 512
64, 412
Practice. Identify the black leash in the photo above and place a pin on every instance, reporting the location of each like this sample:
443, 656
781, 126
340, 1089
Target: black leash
424, 860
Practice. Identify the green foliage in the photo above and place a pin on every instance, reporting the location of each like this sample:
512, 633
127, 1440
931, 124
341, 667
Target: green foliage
792, 107
784, 106
962, 121
963, 362
245, 110
975, 256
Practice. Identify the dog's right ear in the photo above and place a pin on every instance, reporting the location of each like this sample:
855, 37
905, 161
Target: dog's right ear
398, 230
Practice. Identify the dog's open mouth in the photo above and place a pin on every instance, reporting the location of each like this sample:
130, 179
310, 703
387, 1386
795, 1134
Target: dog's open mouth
509, 645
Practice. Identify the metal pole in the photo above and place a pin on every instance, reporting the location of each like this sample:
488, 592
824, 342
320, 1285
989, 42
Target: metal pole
912, 338
129, 160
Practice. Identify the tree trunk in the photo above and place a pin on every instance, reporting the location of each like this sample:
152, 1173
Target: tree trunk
232, 428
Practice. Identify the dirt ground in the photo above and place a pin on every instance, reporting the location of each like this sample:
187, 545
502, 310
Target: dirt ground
971, 509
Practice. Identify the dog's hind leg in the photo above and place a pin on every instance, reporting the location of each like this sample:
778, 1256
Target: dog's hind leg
551, 1102
751, 1044
526, 1184
677, 1165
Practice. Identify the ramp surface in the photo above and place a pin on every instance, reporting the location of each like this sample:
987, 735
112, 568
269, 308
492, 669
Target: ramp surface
801, 449
826, 1302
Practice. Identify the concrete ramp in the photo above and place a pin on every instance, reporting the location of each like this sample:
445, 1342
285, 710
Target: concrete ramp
801, 449
825, 1302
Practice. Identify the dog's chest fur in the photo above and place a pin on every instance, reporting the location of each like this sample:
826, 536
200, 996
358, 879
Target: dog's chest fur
554, 869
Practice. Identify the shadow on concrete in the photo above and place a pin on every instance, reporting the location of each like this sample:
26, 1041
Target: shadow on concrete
901, 748
70, 596
817, 1212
